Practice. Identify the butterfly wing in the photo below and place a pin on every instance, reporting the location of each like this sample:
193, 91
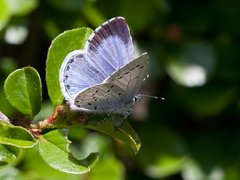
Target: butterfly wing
130, 77
116, 93
76, 74
105, 76
101, 98
110, 47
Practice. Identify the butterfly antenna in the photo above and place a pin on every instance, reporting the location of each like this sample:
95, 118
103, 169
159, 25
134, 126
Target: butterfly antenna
154, 97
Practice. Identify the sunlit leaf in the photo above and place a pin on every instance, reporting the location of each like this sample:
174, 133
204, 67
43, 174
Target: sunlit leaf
166, 149
4, 13
53, 148
164, 166
15, 136
110, 166
16, 34
8, 173
21, 7
124, 132
23, 90
60, 47
8, 154
192, 170
193, 66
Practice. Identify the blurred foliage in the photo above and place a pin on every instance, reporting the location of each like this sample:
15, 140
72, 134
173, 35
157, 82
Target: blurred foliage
194, 55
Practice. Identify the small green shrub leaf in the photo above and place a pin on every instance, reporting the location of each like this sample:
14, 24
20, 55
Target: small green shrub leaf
15, 136
4, 14
124, 132
8, 154
21, 7
60, 47
53, 148
23, 90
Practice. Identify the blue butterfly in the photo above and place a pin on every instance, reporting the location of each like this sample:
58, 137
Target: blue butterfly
107, 74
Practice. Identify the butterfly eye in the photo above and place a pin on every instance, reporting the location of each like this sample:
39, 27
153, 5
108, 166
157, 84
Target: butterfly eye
135, 99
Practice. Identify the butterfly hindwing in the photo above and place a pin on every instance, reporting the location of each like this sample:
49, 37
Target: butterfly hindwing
102, 97
130, 77
75, 72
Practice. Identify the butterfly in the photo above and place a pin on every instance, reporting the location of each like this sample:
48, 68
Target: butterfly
107, 74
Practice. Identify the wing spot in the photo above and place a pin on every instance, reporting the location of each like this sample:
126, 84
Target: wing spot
132, 69
78, 106
108, 90
95, 107
112, 86
119, 94
93, 94
141, 67
71, 61
67, 68
126, 72
106, 99
89, 104
68, 86
66, 77
120, 77
137, 66
96, 91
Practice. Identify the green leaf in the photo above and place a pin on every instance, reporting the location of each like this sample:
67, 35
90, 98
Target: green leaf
60, 47
109, 165
23, 90
21, 7
15, 136
4, 14
8, 154
124, 132
8, 173
53, 148
163, 153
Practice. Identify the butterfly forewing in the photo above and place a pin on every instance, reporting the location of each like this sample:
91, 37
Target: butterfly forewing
110, 47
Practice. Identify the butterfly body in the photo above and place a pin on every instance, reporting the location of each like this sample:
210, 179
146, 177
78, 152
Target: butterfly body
105, 76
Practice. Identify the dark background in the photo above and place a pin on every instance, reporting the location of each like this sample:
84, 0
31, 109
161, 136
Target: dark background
194, 64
